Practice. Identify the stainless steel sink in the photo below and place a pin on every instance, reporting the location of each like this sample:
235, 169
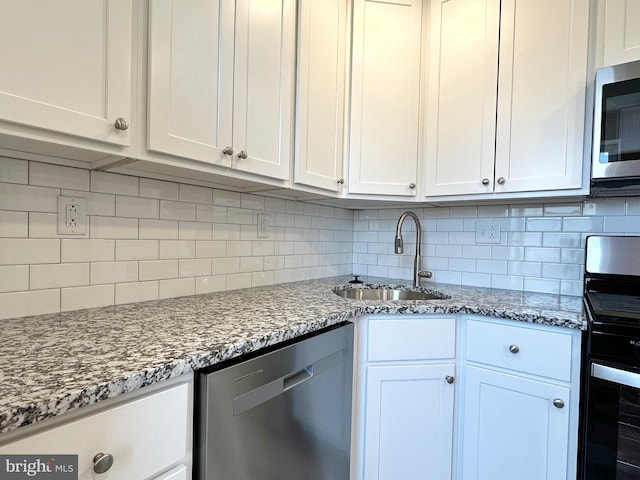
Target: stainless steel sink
383, 293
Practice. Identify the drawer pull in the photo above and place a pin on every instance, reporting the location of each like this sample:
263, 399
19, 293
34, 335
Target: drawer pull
558, 403
121, 124
449, 379
514, 348
102, 462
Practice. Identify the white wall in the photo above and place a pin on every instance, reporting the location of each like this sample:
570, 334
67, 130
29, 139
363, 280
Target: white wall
541, 248
152, 239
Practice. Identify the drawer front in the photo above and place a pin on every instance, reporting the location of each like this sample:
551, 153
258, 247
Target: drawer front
525, 349
411, 339
145, 436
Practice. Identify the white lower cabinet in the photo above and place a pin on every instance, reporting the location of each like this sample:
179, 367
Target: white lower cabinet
148, 437
405, 397
519, 401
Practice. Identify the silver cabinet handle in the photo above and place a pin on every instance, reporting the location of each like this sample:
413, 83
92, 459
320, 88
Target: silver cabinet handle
558, 403
412, 185
501, 180
340, 181
121, 124
485, 181
243, 154
514, 348
102, 462
228, 150
449, 379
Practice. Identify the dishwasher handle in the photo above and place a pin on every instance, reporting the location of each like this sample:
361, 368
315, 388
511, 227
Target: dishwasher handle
296, 378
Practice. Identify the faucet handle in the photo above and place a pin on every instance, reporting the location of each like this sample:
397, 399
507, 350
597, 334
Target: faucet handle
425, 274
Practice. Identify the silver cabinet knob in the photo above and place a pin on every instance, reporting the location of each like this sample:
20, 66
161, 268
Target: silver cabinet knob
340, 181
228, 150
412, 185
243, 154
102, 462
514, 348
485, 181
121, 124
449, 379
558, 403
501, 180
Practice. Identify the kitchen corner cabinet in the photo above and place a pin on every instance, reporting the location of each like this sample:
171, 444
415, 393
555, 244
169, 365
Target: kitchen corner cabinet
621, 31
220, 86
405, 397
147, 437
385, 95
537, 116
322, 54
66, 69
520, 402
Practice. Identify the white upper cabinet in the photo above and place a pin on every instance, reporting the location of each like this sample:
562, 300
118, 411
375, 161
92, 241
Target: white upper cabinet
385, 94
621, 31
537, 117
461, 97
190, 100
221, 75
322, 48
66, 67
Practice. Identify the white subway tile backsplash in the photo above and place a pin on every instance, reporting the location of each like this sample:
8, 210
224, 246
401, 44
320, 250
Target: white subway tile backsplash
535, 254
137, 207
195, 231
195, 194
177, 210
114, 272
27, 198
211, 213
58, 275
476, 251
561, 270
241, 216
20, 251
136, 292
602, 207
189, 267
158, 229
157, 269
492, 266
226, 231
177, 249
252, 202
261, 279
115, 184
508, 282
542, 285
179, 287
563, 209
561, 240
48, 175
544, 224
76, 298
239, 248
14, 224
87, 250
14, 171
251, 264
238, 280
616, 224
221, 266
26, 303
210, 284
527, 269
582, 224
225, 198
97, 203
14, 278
113, 227
44, 225
160, 189
137, 250
210, 249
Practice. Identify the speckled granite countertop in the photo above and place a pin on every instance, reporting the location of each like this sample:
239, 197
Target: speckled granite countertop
52, 364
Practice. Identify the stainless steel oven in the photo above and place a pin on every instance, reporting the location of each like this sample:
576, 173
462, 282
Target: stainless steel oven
611, 417
615, 165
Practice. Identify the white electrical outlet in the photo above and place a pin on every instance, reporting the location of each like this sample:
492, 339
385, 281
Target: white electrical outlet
263, 225
72, 215
487, 231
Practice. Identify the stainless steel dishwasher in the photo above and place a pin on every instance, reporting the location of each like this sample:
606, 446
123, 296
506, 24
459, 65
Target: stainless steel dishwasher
281, 415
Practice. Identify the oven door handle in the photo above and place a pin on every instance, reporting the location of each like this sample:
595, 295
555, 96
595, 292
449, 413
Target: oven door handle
615, 375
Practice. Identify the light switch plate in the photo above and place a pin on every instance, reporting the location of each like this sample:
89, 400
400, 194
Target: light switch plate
72, 215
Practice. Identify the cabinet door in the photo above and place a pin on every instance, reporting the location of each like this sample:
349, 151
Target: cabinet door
322, 36
408, 422
190, 86
621, 31
541, 95
263, 86
512, 428
66, 66
385, 95
461, 100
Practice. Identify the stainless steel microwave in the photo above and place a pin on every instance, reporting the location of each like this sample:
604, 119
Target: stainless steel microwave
615, 166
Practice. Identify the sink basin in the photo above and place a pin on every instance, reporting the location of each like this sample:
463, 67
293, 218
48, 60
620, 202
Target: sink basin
387, 293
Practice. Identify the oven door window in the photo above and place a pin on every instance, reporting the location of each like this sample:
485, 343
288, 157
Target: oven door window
613, 425
620, 122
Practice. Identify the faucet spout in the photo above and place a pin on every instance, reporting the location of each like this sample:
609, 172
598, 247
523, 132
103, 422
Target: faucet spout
399, 246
